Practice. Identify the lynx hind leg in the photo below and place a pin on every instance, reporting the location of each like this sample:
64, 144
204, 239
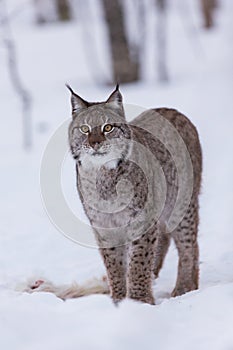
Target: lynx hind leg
161, 248
115, 261
185, 237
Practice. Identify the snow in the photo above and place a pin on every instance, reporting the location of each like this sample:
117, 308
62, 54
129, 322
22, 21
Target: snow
201, 86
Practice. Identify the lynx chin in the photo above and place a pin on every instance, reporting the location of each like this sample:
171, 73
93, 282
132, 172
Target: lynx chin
138, 189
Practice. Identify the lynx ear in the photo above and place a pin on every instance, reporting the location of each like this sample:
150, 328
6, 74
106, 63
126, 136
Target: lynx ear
78, 104
115, 99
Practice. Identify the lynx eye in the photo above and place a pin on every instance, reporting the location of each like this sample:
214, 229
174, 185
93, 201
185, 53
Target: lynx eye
84, 129
108, 128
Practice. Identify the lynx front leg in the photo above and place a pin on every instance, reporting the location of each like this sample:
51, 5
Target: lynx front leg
115, 261
185, 237
141, 264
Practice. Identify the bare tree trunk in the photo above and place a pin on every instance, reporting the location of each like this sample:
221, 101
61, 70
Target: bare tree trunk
63, 10
52, 10
161, 32
40, 17
45, 11
141, 19
125, 68
97, 68
15, 77
208, 7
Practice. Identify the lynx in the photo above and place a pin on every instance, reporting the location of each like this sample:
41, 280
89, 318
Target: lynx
133, 238
139, 184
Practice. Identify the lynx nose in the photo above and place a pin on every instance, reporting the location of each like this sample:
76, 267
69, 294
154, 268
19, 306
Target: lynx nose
96, 138
95, 145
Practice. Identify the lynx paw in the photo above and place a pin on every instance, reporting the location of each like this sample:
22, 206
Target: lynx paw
148, 299
180, 290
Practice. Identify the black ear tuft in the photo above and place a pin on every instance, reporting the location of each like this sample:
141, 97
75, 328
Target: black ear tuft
115, 99
77, 102
70, 89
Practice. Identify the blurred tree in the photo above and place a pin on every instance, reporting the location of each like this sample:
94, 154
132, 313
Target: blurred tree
45, 11
52, 10
125, 68
63, 10
161, 40
208, 7
15, 76
141, 16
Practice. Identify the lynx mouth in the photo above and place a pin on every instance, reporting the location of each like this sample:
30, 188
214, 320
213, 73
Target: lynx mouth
96, 153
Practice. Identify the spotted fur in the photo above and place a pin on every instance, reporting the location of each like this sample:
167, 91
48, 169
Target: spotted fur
102, 162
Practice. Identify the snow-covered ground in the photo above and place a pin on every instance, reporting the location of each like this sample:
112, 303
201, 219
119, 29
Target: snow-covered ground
201, 87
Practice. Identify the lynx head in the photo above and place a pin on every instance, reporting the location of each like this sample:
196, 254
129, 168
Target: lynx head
99, 133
